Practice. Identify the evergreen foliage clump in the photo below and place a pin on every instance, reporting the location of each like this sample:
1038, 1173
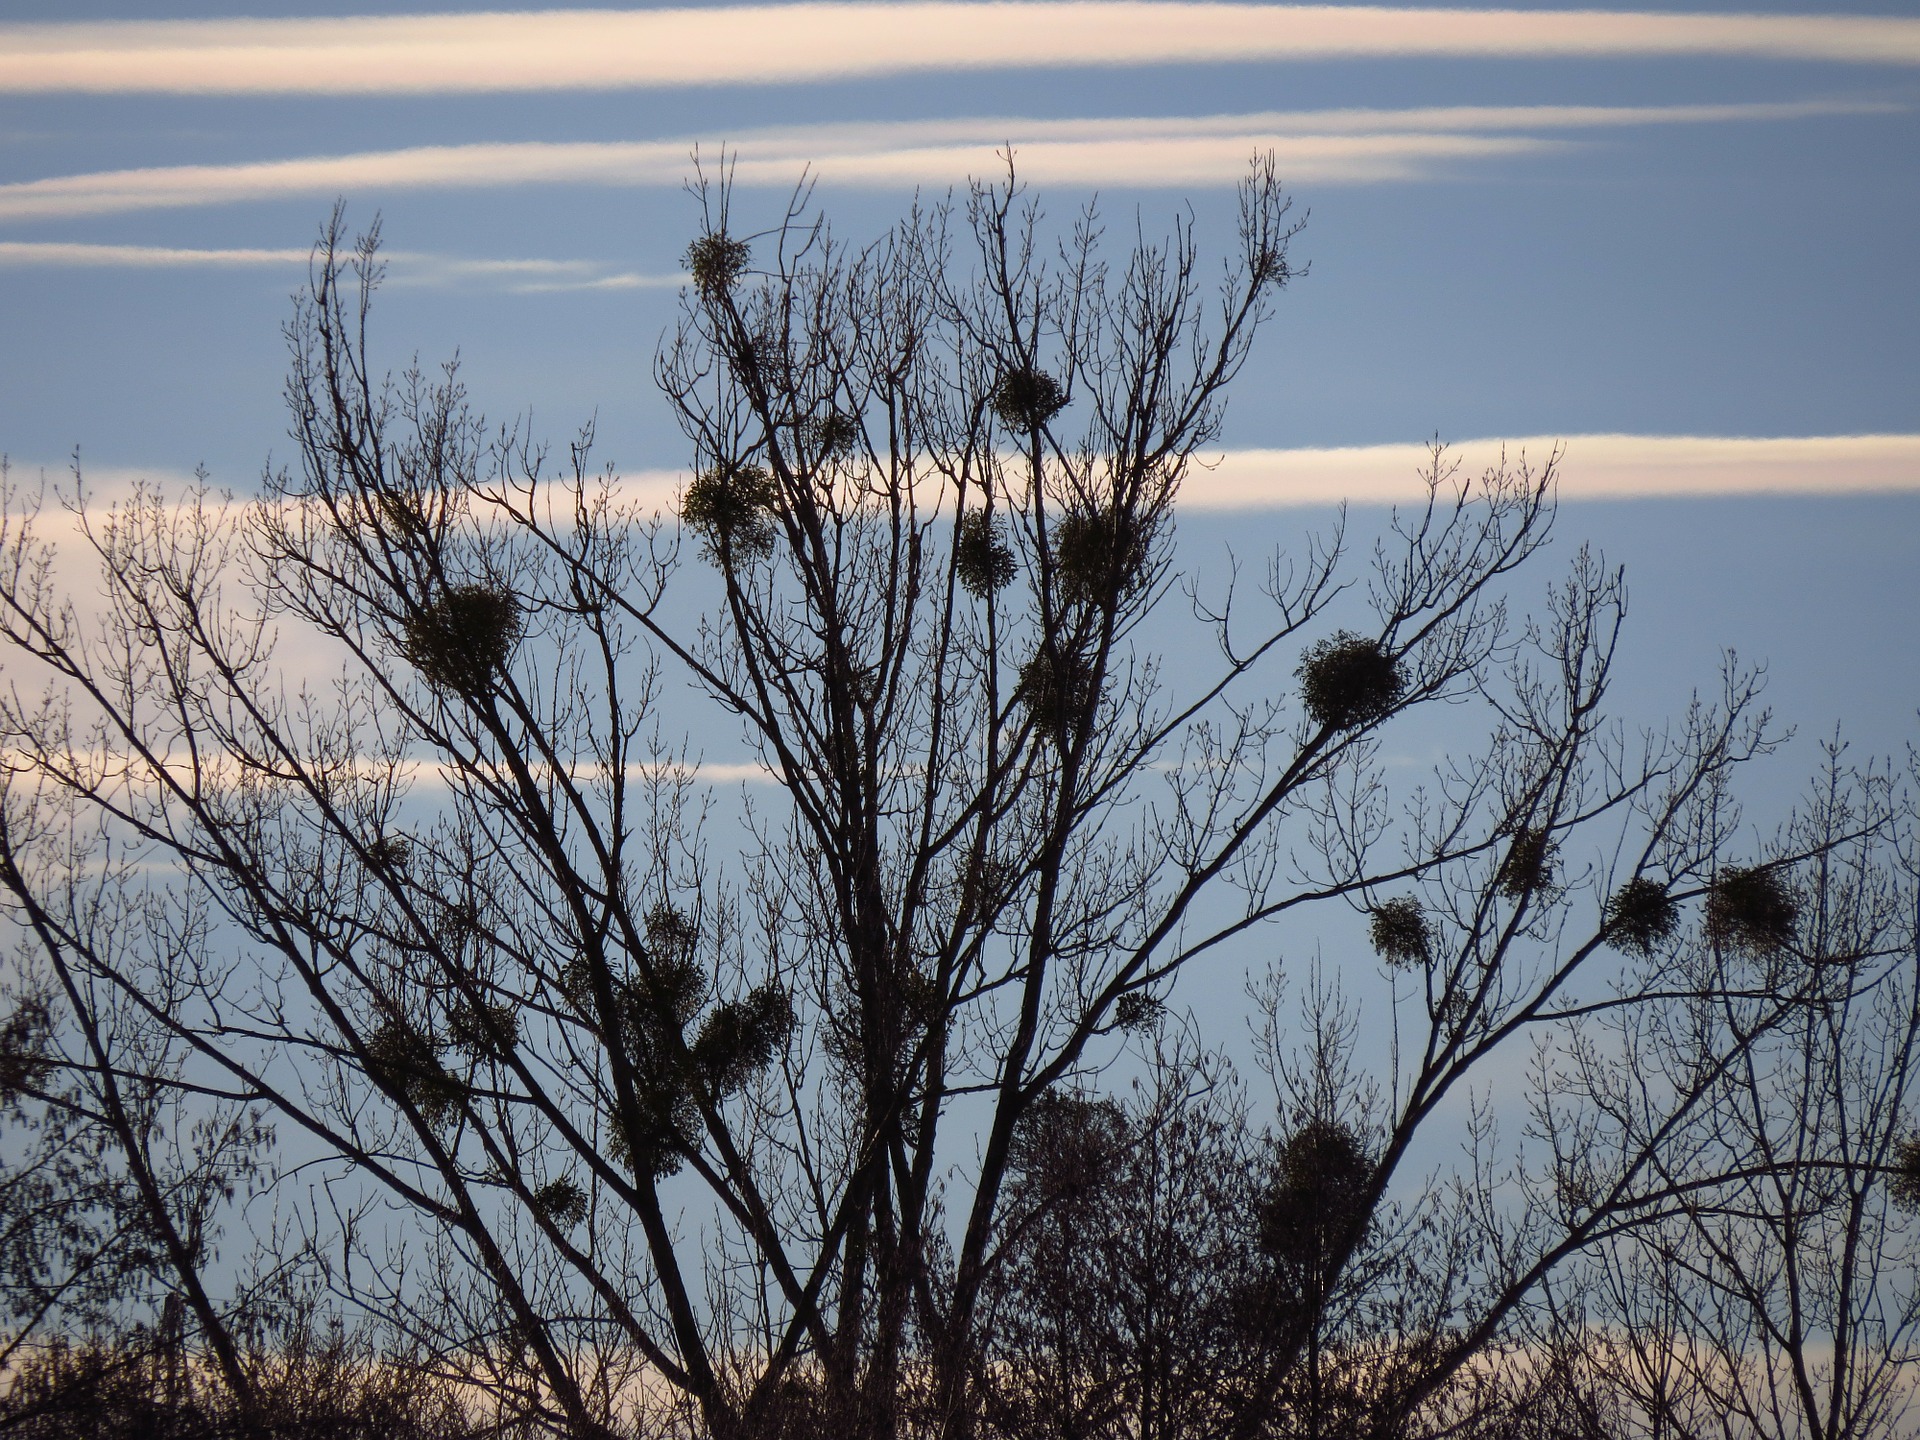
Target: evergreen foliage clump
1058, 690
731, 508
716, 260
1399, 931
1099, 554
834, 433
389, 852
739, 1038
1317, 1198
406, 1064
1347, 680
1903, 1181
562, 1201
461, 639
1136, 1010
1751, 909
981, 557
1641, 914
1528, 866
1027, 398
1068, 1147
488, 1030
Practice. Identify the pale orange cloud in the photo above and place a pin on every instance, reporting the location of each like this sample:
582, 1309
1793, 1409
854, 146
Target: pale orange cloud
1318, 147
1594, 467
586, 49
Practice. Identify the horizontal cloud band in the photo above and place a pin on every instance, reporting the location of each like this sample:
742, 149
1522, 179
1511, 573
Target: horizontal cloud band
1311, 147
589, 49
1592, 467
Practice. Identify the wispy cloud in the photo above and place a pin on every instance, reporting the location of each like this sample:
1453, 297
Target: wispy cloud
405, 266
1594, 467
1318, 147
582, 49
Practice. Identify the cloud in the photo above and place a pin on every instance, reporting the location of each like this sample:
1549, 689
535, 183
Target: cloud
1317, 147
1595, 467
609, 49
405, 266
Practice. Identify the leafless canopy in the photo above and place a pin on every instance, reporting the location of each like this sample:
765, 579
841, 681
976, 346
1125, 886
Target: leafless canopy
622, 1127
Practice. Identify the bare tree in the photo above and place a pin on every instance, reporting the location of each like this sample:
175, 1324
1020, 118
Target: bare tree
1780, 1301
622, 1133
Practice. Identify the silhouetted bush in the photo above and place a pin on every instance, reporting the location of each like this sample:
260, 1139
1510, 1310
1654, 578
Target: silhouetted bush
1752, 910
1027, 398
1399, 931
1347, 680
981, 558
1529, 864
1640, 915
1067, 1147
717, 260
731, 508
307, 1387
462, 638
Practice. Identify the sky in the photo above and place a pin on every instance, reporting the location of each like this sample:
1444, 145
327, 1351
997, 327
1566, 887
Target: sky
1679, 239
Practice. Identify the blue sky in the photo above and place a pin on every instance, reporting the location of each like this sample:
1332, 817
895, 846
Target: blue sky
1679, 221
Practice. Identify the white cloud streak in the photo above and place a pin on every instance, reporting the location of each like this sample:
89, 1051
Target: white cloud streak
406, 266
1594, 467
608, 49
1312, 147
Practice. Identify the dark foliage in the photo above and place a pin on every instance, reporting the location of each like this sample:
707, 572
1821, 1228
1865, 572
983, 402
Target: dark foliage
1347, 680
407, 1065
835, 433
461, 639
1399, 931
488, 1030
671, 934
731, 508
1058, 690
306, 1389
1903, 1183
1137, 1010
981, 557
1528, 866
1640, 915
717, 260
24, 1037
1099, 555
739, 1038
390, 852
1316, 1203
1751, 909
561, 1201
1069, 1146
1026, 398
